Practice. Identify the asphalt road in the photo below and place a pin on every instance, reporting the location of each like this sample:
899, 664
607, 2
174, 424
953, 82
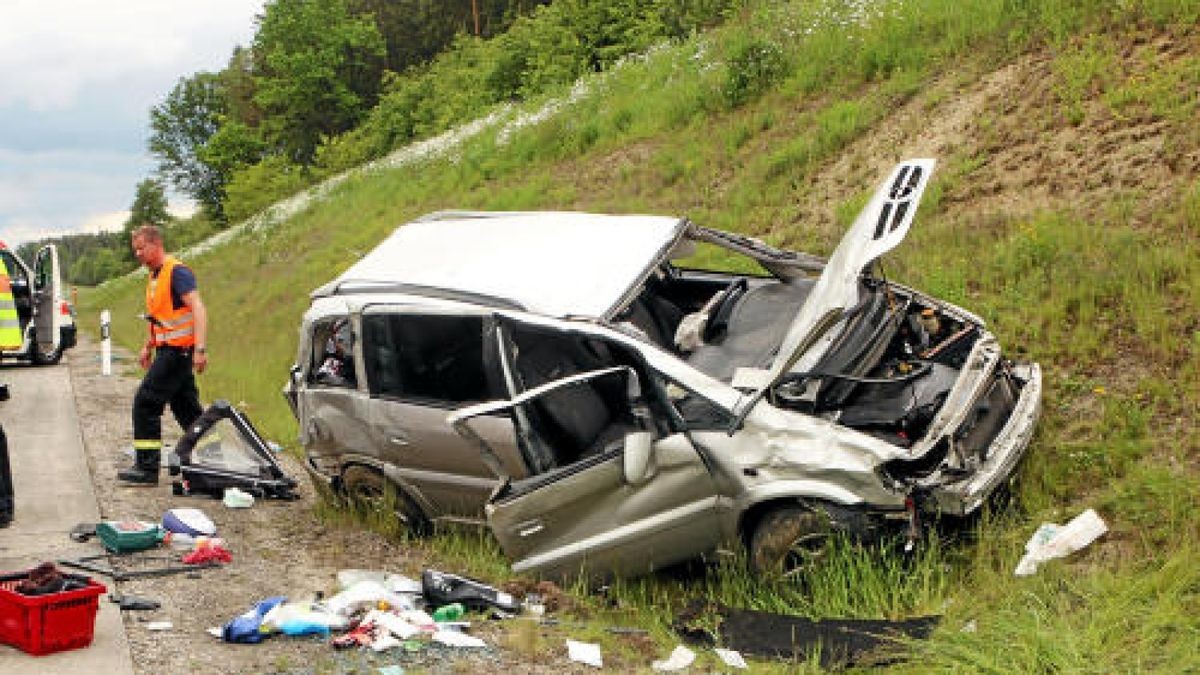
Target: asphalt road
54, 492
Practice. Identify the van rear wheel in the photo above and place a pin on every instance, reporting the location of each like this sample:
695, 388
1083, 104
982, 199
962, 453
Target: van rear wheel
366, 488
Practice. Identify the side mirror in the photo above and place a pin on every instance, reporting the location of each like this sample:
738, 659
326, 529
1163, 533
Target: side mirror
639, 450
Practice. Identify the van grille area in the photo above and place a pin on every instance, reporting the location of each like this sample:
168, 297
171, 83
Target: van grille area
960, 454
989, 415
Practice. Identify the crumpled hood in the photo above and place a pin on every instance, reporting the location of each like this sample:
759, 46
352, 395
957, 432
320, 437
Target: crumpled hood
879, 228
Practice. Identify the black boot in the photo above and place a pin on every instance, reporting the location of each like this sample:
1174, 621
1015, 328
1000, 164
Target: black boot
145, 469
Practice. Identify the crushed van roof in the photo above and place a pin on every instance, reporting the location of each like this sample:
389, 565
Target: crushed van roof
553, 263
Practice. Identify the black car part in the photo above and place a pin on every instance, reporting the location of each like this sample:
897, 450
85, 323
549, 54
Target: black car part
222, 450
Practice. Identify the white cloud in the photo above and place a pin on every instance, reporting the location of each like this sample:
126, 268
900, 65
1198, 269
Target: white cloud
105, 222
53, 192
77, 80
50, 50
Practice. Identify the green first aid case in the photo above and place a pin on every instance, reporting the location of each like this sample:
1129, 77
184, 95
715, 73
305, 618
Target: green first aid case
125, 536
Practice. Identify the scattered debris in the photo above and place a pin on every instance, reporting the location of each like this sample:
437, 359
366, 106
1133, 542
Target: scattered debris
127, 536
44, 579
838, 642
1052, 541
133, 602
237, 499
442, 588
188, 521
396, 583
681, 657
211, 551
585, 653
159, 625
132, 566
244, 628
969, 627
731, 658
82, 532
368, 594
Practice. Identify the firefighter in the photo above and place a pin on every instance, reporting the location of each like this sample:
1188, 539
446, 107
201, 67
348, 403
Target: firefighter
175, 347
10, 323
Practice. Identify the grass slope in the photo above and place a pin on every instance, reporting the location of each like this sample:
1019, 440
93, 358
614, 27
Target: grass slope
1065, 211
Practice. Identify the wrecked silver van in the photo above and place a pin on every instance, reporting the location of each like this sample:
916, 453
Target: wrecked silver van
567, 379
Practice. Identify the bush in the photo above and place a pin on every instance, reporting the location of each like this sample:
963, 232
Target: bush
254, 188
753, 66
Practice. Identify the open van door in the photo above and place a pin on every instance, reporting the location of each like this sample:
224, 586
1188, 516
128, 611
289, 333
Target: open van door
46, 346
642, 501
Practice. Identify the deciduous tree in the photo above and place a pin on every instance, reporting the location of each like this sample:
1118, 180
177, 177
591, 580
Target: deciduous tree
318, 72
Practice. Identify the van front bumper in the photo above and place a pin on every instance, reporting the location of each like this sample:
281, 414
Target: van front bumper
966, 496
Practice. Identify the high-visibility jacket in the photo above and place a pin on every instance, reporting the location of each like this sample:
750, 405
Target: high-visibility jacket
10, 323
169, 326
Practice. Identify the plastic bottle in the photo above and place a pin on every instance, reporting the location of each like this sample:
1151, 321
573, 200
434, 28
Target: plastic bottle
451, 612
207, 542
180, 541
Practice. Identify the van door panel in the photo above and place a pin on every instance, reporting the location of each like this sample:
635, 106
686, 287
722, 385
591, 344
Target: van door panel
47, 293
590, 517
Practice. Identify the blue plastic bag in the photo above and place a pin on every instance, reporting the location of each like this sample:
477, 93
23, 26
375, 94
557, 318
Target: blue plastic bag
244, 628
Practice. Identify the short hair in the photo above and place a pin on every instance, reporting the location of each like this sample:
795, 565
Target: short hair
148, 233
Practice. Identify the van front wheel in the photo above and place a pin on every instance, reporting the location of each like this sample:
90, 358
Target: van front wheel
788, 541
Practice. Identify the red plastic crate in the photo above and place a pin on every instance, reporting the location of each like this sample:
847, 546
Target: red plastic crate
44, 624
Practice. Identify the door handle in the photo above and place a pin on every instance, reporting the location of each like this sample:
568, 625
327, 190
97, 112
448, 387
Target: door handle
398, 439
530, 528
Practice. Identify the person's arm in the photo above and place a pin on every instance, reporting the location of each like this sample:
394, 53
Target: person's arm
148, 348
200, 325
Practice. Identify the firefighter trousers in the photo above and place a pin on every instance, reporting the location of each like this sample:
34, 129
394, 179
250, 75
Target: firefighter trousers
169, 381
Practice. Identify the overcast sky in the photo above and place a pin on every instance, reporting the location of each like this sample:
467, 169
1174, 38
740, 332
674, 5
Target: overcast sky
77, 81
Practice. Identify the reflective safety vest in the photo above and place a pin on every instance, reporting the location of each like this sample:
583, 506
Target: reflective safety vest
10, 323
169, 326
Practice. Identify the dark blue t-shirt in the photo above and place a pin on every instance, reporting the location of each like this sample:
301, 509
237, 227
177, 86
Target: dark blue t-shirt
183, 281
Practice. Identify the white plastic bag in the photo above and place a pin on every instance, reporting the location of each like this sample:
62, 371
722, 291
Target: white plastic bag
1052, 541
367, 594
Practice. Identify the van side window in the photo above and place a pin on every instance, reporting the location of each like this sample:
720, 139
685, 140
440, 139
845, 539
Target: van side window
333, 354
433, 357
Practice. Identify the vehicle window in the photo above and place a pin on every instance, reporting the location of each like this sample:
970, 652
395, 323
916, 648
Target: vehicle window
15, 272
698, 413
42, 270
333, 354
432, 357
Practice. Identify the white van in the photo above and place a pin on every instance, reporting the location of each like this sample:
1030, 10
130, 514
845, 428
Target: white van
47, 318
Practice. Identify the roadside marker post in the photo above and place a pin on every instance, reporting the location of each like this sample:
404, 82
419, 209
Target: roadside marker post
105, 342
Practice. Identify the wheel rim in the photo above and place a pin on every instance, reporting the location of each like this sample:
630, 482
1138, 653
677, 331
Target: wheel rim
803, 554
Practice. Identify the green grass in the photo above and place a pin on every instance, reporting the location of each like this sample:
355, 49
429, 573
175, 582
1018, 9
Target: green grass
1107, 300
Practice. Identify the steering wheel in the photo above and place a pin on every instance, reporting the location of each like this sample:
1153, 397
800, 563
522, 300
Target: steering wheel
718, 320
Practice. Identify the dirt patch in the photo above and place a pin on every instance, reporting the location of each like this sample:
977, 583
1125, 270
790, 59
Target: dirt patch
279, 548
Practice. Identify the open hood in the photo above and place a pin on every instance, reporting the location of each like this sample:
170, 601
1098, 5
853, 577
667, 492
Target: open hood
879, 228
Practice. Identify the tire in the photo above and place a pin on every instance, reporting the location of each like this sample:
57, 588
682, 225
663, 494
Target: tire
788, 541
39, 358
366, 488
